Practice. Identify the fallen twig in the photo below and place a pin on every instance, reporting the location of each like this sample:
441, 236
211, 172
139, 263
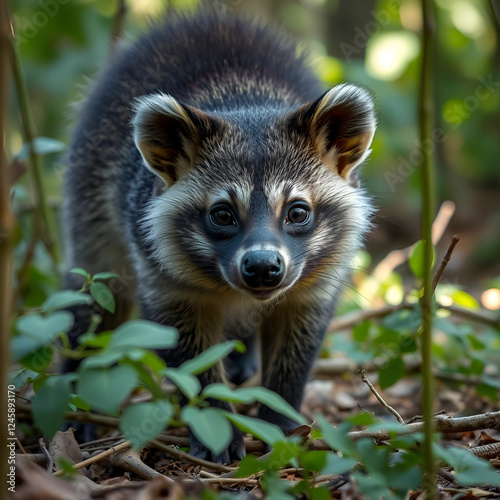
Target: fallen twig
487, 451
186, 457
444, 262
50, 461
98, 458
398, 257
130, 460
374, 391
442, 423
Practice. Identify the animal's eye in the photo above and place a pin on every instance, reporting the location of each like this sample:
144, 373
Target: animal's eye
222, 216
298, 214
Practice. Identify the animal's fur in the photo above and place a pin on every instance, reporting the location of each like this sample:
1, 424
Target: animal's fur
216, 111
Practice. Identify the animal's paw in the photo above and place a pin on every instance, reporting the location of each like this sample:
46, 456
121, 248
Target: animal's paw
234, 452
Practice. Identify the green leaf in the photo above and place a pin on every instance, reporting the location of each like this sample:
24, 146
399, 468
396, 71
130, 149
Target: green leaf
487, 391
20, 377
45, 328
210, 426
225, 393
188, 384
250, 466
313, 460
80, 271
103, 359
153, 362
105, 389
210, 357
361, 419
144, 421
67, 467
37, 331
476, 366
470, 470
50, 404
103, 296
361, 331
391, 372
337, 437
43, 146
65, 298
338, 465
101, 339
78, 402
273, 401
146, 334
38, 360
475, 343
416, 260
104, 276
265, 431
463, 299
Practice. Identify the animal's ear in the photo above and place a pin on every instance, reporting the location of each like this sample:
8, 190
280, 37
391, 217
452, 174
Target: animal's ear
341, 125
168, 134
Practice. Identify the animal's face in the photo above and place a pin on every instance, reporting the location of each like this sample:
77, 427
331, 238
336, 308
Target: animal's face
257, 210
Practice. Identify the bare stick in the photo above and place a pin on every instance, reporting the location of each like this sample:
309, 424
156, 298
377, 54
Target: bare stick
398, 257
444, 262
98, 458
442, 424
186, 457
487, 451
130, 460
374, 391
6, 230
21, 447
43, 214
48, 456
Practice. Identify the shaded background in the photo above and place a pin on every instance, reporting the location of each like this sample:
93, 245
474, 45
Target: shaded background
63, 43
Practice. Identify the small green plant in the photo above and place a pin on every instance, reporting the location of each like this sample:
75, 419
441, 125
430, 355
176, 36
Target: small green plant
113, 364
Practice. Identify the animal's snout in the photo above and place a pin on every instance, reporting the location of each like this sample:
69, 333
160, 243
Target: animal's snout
262, 269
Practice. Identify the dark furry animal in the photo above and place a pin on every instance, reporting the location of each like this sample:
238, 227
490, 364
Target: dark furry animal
211, 171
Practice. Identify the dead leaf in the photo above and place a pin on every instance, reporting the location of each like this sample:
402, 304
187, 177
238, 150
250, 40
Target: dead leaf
64, 445
304, 431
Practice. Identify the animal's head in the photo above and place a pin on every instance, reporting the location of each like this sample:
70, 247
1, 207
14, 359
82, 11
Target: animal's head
260, 200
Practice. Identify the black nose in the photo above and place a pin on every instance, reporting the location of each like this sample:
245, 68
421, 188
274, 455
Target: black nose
262, 269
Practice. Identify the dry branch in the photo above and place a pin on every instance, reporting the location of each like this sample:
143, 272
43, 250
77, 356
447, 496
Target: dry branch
186, 457
398, 257
130, 460
442, 423
98, 458
374, 391
444, 262
6, 229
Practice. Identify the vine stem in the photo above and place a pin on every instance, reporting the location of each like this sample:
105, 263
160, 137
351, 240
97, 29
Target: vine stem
43, 214
6, 229
426, 111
